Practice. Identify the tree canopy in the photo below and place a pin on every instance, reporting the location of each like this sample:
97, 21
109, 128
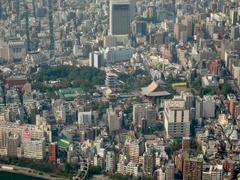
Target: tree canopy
69, 76
136, 79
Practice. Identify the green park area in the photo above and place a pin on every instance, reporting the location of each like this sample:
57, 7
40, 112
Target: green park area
69, 93
71, 80
63, 142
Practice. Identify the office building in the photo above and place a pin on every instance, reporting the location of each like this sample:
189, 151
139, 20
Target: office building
189, 99
98, 161
132, 168
170, 171
110, 162
233, 105
135, 149
85, 119
115, 41
139, 112
52, 152
176, 118
59, 111
189, 23
192, 168
180, 31
117, 55
13, 144
121, 14
148, 163
234, 32
16, 50
233, 16
214, 67
166, 173
95, 59
205, 107
113, 120
3, 139
25, 131
145, 112
214, 172
139, 28
160, 174
34, 148
128, 168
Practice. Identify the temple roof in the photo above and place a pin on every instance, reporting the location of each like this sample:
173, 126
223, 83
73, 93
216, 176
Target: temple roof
155, 89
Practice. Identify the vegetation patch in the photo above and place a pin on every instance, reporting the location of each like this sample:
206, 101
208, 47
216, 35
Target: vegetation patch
54, 78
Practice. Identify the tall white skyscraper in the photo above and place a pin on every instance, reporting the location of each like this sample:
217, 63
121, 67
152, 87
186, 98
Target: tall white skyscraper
122, 13
176, 118
95, 59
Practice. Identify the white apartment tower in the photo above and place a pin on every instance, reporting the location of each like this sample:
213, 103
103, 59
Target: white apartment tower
176, 118
34, 148
95, 59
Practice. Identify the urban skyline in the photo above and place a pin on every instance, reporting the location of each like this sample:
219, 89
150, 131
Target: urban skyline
120, 89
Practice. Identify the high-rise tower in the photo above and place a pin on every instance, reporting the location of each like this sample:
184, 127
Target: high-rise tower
1, 10
17, 10
50, 23
34, 9
122, 13
26, 15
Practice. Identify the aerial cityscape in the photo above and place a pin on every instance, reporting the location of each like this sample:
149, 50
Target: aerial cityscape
120, 89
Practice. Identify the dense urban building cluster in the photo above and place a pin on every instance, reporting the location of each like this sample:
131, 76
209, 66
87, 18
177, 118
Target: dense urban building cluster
121, 89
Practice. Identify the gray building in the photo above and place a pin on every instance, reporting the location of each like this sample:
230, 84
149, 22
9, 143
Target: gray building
121, 14
110, 162
233, 16
170, 171
145, 112
148, 163
234, 32
205, 107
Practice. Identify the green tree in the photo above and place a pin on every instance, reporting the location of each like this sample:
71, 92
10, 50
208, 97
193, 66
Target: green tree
94, 170
175, 145
69, 76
